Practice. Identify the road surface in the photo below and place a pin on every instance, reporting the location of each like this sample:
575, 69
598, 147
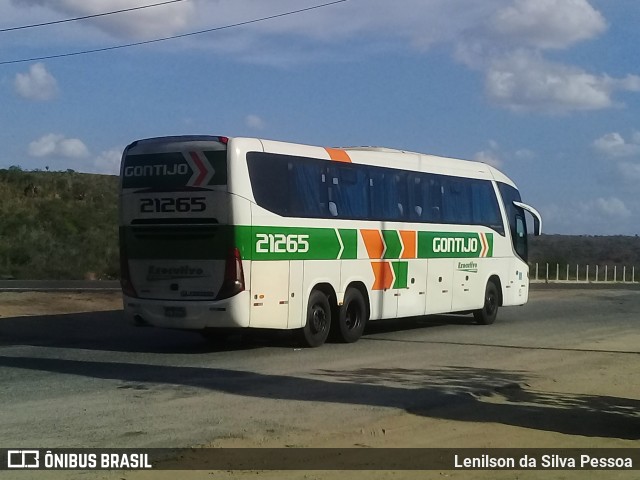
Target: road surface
562, 371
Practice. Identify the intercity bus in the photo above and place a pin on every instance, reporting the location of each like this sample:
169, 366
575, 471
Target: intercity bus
222, 233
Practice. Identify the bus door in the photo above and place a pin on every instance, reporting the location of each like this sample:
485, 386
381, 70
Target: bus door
439, 285
412, 291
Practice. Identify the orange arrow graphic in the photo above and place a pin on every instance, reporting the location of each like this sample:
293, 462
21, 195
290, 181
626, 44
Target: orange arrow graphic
383, 274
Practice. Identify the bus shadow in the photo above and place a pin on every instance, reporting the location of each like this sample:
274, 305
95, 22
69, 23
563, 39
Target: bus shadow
466, 394
416, 323
108, 331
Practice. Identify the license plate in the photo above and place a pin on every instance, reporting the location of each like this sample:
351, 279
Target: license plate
175, 312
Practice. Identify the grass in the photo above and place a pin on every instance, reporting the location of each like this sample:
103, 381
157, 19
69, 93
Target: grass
58, 225
64, 225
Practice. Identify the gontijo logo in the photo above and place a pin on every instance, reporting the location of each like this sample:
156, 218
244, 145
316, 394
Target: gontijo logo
153, 170
451, 245
455, 244
200, 169
196, 163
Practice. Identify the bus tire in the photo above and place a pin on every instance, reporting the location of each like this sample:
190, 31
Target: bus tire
316, 329
352, 316
487, 314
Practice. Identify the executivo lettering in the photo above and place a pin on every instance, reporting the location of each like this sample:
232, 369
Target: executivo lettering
170, 273
471, 267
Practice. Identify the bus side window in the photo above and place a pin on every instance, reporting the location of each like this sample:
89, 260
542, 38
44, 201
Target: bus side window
457, 201
331, 190
307, 192
377, 194
485, 206
349, 193
324, 193
416, 197
401, 196
521, 237
436, 192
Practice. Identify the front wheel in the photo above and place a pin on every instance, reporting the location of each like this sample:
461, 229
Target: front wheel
316, 330
487, 314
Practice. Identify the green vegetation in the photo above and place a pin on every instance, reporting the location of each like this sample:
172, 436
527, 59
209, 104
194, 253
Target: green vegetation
58, 225
64, 225
585, 250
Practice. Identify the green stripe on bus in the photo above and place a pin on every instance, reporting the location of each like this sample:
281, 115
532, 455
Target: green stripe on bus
392, 241
350, 243
289, 243
401, 272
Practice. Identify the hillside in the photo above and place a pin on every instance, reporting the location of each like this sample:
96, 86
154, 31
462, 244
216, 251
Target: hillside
58, 225
63, 225
583, 249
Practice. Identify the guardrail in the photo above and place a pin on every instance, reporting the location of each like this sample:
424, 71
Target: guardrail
58, 285
546, 272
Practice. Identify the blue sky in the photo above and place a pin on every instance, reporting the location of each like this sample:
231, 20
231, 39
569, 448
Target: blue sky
546, 90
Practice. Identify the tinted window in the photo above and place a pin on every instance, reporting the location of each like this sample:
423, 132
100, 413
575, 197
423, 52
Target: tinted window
306, 187
456, 200
270, 182
484, 206
515, 216
348, 191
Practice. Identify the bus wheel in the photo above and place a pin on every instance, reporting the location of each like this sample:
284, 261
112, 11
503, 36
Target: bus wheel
487, 314
316, 330
353, 316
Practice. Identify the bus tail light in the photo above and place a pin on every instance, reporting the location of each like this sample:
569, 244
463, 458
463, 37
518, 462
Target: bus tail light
233, 282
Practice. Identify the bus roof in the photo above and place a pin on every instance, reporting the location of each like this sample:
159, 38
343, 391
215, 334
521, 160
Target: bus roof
377, 156
389, 157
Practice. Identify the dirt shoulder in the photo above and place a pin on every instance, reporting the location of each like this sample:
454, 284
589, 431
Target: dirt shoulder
18, 304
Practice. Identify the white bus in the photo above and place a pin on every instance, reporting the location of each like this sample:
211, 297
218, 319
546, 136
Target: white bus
219, 233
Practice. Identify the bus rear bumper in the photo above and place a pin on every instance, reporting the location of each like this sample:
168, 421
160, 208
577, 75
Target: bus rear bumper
189, 315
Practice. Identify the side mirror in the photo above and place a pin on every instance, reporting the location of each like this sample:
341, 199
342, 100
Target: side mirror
537, 219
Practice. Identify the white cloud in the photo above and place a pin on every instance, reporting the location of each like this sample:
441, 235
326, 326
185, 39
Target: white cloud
55, 145
614, 145
509, 50
506, 40
609, 207
524, 81
595, 216
255, 122
494, 155
547, 23
140, 24
489, 157
524, 154
108, 162
629, 171
36, 84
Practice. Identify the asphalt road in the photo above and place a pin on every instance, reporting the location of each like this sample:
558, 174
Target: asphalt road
90, 380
